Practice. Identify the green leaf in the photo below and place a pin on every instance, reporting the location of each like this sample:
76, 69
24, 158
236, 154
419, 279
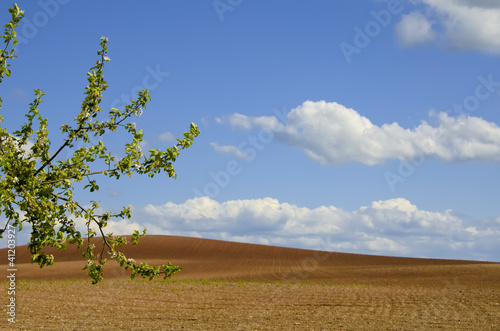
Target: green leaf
39, 183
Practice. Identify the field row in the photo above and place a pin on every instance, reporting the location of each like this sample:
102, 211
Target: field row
190, 305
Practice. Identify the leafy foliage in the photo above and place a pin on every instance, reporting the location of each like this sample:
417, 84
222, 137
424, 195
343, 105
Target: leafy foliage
37, 184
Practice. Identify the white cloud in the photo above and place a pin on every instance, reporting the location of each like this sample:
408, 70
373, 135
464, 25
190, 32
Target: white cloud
247, 123
230, 150
27, 147
414, 29
144, 144
460, 24
393, 227
122, 227
116, 226
205, 121
18, 94
384, 244
166, 136
390, 227
330, 133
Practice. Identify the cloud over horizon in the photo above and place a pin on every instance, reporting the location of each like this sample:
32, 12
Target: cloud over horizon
330, 133
392, 227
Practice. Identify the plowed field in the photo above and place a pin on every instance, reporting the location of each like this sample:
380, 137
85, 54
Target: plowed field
233, 286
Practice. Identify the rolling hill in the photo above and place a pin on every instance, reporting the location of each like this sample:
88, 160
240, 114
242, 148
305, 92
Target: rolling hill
222, 260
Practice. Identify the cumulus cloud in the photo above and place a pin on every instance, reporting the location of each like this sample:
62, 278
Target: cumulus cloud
393, 227
115, 226
460, 24
389, 227
230, 150
414, 29
330, 133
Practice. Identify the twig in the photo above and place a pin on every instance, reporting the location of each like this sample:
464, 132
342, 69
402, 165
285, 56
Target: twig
92, 217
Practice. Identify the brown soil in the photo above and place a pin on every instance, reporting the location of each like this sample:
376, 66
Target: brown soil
233, 286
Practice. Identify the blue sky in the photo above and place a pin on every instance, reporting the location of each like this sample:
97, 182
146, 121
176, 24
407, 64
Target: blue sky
365, 127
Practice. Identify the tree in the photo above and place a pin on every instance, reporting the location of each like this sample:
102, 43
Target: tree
37, 185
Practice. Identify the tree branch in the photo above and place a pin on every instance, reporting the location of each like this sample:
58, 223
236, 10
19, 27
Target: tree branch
87, 174
49, 161
67, 142
91, 216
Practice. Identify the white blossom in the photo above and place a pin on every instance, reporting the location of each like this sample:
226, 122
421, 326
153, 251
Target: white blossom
138, 112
